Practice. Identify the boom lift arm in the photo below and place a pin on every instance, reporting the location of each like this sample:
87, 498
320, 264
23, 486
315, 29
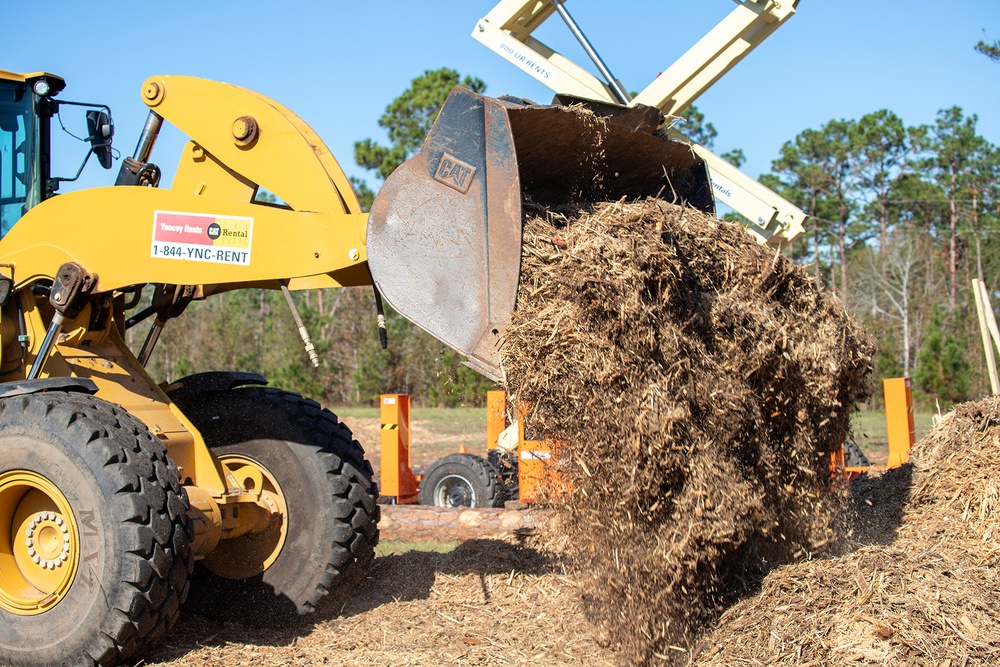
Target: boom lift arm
507, 30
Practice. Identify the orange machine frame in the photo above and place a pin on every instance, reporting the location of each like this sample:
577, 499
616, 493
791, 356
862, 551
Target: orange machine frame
536, 475
397, 479
899, 426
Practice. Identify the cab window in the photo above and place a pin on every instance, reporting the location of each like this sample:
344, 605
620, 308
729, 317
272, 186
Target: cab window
18, 170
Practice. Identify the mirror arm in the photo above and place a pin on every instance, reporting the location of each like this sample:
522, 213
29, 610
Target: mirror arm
54, 182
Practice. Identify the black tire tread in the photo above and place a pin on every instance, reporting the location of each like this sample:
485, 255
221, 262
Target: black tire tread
141, 486
480, 472
349, 477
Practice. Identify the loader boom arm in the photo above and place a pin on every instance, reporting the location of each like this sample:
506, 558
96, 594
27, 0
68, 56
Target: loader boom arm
507, 29
205, 229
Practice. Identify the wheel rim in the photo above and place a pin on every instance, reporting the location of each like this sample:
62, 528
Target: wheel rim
39, 543
252, 553
454, 491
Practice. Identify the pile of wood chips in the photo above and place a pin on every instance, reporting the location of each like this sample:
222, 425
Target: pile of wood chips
699, 383
925, 591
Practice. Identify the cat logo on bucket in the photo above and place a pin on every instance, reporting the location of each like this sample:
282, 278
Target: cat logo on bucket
454, 173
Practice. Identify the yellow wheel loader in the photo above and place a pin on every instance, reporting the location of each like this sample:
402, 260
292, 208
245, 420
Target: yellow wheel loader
121, 497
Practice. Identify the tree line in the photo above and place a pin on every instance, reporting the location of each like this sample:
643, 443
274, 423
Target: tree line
900, 220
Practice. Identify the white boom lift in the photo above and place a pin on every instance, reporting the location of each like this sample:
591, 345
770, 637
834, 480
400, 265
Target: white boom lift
507, 29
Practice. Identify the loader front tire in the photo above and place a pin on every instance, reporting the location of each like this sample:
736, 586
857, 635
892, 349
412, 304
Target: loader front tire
461, 480
94, 533
318, 479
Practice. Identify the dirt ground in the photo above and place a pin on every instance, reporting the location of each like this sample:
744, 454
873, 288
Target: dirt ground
488, 602
509, 600
493, 600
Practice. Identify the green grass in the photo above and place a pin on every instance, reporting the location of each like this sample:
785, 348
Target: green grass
443, 421
870, 432
452, 421
391, 547
348, 412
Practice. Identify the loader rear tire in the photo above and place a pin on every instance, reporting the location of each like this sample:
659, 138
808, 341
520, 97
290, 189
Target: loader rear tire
94, 531
317, 473
461, 480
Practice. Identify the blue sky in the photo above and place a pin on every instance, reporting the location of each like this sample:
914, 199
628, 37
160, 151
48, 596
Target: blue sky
339, 64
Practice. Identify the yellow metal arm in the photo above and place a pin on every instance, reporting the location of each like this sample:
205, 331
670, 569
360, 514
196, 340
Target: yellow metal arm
716, 53
205, 230
118, 233
280, 152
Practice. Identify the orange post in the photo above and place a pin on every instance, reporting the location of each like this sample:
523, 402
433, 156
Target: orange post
898, 419
496, 416
534, 471
398, 481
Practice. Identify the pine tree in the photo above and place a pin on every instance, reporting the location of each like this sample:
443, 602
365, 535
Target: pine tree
942, 368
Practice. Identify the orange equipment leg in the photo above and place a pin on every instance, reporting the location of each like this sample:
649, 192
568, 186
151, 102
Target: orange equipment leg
898, 419
398, 481
496, 416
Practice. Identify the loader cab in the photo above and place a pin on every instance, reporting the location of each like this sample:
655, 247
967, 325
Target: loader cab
27, 106
24, 155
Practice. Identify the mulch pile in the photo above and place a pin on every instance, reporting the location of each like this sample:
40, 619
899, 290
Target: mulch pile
699, 382
925, 589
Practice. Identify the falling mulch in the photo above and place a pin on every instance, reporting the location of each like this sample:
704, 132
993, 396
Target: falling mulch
699, 383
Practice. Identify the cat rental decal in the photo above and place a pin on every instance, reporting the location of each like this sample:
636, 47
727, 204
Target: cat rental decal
221, 239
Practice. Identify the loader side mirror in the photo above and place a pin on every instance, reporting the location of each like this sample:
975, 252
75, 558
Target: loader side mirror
100, 130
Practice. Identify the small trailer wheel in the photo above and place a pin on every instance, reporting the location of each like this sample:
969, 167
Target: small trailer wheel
461, 480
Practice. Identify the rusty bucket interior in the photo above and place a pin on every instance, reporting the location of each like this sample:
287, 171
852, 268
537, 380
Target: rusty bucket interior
444, 232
